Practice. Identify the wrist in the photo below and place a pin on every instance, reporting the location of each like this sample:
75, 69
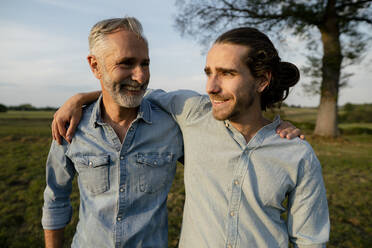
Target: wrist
78, 99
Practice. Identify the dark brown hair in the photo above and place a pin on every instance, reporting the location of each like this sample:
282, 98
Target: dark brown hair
261, 58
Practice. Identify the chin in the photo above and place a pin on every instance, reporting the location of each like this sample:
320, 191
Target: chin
127, 101
220, 116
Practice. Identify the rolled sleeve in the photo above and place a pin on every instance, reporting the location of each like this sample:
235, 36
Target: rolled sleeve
308, 216
57, 210
56, 218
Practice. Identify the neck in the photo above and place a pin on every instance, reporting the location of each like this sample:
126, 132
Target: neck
249, 123
114, 112
119, 118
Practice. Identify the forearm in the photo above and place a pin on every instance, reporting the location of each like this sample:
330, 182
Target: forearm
85, 98
54, 238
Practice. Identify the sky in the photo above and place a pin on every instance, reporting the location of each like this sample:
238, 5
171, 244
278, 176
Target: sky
44, 45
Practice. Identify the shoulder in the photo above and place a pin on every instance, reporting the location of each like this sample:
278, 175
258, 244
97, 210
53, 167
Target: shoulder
295, 153
176, 96
185, 104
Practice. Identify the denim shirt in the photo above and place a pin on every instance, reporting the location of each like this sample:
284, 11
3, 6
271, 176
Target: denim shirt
235, 191
123, 186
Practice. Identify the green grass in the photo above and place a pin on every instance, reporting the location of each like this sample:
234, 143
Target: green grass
26, 115
24, 144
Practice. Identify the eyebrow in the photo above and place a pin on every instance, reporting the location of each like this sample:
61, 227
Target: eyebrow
220, 69
132, 59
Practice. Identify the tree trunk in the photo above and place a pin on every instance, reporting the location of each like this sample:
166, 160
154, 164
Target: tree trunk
326, 123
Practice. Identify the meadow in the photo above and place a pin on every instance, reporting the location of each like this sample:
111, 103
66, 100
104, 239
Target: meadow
25, 140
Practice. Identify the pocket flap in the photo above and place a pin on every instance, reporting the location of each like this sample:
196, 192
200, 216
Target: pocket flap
92, 160
154, 159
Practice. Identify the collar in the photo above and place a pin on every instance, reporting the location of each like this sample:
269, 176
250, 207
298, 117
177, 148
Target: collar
144, 112
258, 138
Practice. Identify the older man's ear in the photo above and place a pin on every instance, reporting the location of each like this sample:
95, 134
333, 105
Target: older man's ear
94, 66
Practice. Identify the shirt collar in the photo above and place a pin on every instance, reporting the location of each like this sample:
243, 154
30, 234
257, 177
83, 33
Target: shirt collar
144, 112
258, 138
264, 132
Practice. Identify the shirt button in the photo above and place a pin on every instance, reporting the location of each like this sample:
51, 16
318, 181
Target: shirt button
118, 218
121, 189
121, 157
155, 163
90, 163
232, 213
236, 182
226, 124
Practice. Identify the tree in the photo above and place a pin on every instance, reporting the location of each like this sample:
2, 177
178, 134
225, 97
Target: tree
3, 108
339, 23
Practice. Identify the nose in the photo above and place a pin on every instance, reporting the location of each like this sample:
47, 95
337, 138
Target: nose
140, 74
213, 85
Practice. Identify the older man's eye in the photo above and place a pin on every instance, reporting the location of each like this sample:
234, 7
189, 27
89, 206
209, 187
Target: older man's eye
145, 64
126, 63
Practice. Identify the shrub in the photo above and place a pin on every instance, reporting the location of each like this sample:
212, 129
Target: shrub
3, 108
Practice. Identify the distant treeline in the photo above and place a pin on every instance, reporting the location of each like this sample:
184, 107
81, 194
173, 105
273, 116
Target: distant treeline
348, 113
351, 113
25, 107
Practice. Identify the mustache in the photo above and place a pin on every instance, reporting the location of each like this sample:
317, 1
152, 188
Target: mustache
132, 83
217, 97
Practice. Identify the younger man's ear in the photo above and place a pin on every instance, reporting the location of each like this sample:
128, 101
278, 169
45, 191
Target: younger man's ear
94, 66
264, 82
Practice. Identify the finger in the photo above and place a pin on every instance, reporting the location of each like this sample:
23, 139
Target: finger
283, 133
61, 124
294, 133
55, 132
51, 128
71, 130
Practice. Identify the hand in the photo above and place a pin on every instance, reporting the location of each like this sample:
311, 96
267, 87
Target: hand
69, 113
287, 130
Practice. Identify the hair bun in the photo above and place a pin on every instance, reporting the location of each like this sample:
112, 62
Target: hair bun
288, 75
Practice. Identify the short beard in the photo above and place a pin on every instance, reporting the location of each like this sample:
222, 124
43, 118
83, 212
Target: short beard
234, 112
117, 91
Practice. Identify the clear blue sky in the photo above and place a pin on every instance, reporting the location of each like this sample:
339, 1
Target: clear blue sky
44, 46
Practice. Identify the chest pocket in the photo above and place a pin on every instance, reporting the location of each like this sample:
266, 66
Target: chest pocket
157, 171
93, 172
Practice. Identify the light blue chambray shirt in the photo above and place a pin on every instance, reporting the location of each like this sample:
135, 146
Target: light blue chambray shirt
235, 191
123, 187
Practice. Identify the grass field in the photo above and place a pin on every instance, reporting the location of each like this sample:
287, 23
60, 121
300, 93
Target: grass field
24, 144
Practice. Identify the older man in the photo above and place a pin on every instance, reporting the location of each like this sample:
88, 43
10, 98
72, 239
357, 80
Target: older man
124, 152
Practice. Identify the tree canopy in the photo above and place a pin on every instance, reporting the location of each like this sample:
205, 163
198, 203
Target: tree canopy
336, 25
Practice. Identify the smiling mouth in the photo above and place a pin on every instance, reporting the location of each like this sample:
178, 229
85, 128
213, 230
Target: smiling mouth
219, 101
133, 89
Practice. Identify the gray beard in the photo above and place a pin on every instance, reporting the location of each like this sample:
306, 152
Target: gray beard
116, 92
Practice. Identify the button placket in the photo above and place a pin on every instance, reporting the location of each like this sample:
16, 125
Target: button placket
239, 174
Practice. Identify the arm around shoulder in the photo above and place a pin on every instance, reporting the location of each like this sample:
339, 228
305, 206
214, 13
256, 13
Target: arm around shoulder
183, 105
70, 113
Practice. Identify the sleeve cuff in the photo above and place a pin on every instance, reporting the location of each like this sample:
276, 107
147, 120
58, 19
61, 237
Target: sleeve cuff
56, 218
